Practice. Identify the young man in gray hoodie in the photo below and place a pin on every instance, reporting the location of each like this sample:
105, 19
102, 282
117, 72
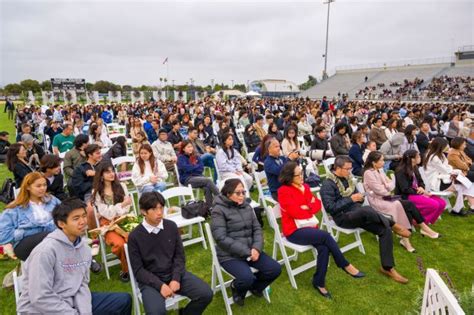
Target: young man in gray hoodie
56, 274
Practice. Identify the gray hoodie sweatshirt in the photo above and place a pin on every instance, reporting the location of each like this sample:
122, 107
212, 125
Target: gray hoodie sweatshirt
56, 277
392, 147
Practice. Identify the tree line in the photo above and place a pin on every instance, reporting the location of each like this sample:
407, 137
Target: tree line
104, 86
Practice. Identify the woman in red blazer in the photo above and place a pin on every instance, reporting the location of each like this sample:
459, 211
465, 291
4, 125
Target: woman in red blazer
298, 203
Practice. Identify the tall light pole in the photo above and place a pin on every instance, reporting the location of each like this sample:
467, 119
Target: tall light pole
325, 73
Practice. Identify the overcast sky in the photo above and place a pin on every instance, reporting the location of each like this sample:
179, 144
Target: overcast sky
127, 41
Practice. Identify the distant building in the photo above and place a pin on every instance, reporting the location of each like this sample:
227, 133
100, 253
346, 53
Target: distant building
274, 88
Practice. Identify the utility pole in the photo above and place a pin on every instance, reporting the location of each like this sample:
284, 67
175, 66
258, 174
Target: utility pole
325, 73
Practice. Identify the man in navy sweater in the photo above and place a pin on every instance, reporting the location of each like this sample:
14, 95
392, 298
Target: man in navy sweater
158, 262
273, 165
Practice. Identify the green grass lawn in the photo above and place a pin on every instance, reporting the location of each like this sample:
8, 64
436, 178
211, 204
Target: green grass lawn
374, 294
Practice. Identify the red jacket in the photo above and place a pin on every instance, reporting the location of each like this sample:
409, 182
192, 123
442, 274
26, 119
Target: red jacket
291, 200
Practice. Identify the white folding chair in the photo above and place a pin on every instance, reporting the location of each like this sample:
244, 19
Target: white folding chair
112, 127
217, 170
442, 194
171, 303
16, 191
17, 287
46, 143
127, 177
437, 298
281, 243
335, 230
250, 157
198, 195
264, 194
108, 259
182, 193
328, 163
302, 142
218, 276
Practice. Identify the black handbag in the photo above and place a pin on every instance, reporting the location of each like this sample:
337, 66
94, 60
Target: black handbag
392, 198
7, 194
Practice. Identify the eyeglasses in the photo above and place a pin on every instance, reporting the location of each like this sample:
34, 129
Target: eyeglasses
240, 193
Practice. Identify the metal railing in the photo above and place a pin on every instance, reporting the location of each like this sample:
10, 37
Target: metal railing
401, 63
466, 48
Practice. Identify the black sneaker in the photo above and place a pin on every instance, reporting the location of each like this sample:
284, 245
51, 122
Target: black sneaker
124, 276
238, 299
95, 266
458, 214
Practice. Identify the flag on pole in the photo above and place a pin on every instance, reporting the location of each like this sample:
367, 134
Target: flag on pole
166, 60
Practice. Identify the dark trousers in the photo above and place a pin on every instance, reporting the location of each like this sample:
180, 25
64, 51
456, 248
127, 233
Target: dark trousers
111, 303
412, 211
268, 271
25, 246
191, 286
275, 195
374, 222
324, 244
210, 190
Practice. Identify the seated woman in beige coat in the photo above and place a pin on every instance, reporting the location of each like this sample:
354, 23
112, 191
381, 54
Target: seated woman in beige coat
379, 187
458, 159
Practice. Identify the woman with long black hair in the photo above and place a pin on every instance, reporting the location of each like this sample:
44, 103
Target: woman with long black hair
111, 200
229, 161
17, 163
190, 168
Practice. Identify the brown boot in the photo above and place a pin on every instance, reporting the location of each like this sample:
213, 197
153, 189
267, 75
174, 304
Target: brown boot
392, 273
400, 230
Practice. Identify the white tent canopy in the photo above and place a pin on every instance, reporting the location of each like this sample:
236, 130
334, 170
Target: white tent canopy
228, 93
253, 93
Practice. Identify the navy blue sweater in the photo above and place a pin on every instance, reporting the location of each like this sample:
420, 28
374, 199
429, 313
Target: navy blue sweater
186, 169
356, 154
273, 167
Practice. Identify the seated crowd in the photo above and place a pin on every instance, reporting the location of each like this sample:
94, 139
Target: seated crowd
68, 178
443, 88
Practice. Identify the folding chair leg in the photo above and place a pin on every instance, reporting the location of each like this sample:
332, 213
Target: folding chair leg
213, 280
288, 267
137, 306
104, 256
190, 232
359, 240
201, 232
266, 294
274, 253
220, 278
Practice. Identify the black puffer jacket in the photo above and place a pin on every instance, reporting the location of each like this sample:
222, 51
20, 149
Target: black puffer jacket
332, 199
235, 229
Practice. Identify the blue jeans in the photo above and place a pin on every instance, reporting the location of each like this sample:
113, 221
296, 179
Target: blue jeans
111, 303
324, 244
208, 160
268, 271
158, 187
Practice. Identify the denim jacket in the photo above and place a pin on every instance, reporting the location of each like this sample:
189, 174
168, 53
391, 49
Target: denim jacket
19, 222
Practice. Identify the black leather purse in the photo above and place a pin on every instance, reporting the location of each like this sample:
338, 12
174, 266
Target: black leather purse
392, 198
